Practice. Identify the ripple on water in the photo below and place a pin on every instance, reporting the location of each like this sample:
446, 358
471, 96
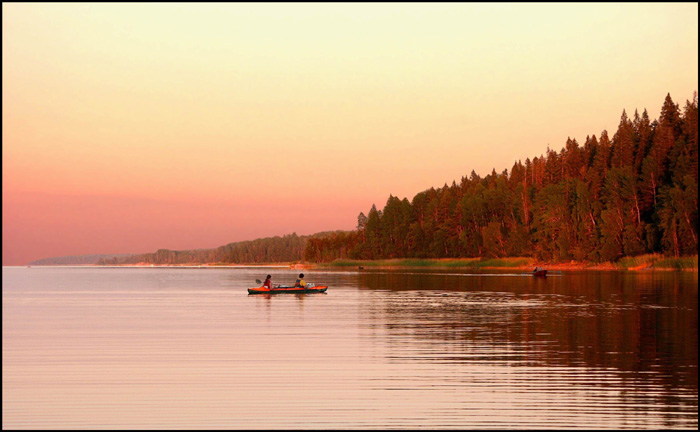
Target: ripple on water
182, 349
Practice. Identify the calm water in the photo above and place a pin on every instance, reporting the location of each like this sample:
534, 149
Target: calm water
189, 348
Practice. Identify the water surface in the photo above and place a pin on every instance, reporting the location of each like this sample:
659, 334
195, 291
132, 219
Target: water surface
176, 348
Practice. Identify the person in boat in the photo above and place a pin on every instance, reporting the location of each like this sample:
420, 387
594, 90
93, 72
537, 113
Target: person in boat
300, 282
268, 282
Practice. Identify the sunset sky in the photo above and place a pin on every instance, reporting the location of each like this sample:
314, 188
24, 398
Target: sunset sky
133, 127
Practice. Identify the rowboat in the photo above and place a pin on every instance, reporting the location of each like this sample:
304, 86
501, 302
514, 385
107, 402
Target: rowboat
287, 290
540, 272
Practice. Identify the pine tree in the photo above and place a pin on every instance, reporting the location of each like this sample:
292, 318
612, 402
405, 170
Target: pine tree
623, 143
573, 160
644, 136
599, 168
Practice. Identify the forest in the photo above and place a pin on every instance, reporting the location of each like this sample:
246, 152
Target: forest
611, 197
600, 200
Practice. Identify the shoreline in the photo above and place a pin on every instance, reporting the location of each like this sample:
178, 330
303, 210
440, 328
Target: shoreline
651, 262
645, 263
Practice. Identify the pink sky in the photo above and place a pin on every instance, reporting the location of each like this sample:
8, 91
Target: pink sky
133, 127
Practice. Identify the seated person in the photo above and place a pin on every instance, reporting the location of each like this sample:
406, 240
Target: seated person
300, 282
268, 282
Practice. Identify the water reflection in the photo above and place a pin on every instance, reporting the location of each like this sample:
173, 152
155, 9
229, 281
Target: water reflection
176, 348
642, 326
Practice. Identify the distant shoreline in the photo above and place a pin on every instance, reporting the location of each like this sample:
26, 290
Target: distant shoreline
648, 262
242, 266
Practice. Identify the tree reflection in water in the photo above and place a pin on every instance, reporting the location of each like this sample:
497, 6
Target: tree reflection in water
642, 326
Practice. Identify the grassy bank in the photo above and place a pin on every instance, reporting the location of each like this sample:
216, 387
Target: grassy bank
446, 262
659, 262
637, 263
642, 262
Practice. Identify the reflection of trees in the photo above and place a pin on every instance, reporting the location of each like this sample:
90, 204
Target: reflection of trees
644, 326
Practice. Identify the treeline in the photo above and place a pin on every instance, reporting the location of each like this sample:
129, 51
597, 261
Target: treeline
601, 200
77, 259
288, 248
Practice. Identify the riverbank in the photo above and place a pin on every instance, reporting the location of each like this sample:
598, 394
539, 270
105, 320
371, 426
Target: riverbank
639, 263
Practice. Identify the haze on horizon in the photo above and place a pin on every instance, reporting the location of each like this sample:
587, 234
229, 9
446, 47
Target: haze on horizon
133, 127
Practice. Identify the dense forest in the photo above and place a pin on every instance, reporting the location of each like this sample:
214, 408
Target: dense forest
630, 194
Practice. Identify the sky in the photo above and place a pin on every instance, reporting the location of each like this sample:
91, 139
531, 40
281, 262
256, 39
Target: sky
132, 127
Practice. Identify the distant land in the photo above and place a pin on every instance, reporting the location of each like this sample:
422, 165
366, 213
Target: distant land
77, 259
288, 248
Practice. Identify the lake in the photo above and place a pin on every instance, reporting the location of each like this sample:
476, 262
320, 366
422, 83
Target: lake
156, 348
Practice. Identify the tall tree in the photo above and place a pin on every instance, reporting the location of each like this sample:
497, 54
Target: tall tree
623, 143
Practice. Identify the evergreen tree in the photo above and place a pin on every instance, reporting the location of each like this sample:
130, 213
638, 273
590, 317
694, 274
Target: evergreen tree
623, 144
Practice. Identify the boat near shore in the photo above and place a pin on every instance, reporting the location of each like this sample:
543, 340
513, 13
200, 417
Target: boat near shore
539, 272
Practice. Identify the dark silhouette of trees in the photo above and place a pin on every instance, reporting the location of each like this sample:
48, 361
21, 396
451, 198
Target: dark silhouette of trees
633, 194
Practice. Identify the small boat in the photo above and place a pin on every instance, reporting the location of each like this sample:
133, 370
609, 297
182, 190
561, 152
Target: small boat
287, 290
539, 272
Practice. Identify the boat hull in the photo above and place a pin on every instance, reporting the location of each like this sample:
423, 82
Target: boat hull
287, 290
540, 273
